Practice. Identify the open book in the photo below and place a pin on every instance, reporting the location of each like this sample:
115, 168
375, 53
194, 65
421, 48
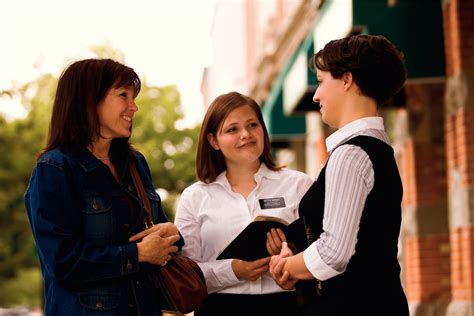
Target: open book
250, 243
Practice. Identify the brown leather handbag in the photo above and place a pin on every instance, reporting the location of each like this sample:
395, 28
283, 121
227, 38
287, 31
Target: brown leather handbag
180, 282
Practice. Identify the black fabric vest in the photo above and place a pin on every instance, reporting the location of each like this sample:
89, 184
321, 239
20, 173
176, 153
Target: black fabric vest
370, 285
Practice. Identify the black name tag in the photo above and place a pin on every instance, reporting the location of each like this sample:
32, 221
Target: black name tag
272, 203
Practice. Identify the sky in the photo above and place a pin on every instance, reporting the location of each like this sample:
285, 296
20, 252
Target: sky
165, 41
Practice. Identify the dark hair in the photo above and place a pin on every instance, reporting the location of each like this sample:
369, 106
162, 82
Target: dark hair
210, 162
81, 87
376, 65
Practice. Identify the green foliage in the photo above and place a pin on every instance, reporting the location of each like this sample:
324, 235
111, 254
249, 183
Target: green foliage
23, 290
170, 153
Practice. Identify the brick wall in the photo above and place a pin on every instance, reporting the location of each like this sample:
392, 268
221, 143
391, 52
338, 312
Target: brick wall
459, 107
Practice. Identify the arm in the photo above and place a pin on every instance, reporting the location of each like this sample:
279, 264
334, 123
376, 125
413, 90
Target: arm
349, 179
56, 222
218, 273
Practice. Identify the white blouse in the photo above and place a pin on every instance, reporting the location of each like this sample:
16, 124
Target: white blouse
210, 215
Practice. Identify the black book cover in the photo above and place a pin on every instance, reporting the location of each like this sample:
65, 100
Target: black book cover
250, 243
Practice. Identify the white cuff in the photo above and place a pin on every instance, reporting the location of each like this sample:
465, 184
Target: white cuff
225, 273
318, 268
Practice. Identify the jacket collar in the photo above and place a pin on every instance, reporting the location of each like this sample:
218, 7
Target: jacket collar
87, 160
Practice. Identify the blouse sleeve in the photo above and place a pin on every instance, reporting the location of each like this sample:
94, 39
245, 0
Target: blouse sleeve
218, 273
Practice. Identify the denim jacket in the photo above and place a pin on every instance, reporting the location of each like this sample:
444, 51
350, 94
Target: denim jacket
80, 219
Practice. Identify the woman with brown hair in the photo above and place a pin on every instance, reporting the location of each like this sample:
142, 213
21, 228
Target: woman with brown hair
238, 178
82, 199
353, 210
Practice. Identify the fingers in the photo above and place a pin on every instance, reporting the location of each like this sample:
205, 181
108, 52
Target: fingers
162, 229
146, 232
285, 250
281, 234
275, 237
285, 282
260, 262
276, 265
140, 235
171, 240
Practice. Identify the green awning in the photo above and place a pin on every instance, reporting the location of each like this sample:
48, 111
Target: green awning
414, 26
281, 126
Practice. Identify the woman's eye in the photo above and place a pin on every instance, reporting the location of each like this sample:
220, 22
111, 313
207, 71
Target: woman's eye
232, 129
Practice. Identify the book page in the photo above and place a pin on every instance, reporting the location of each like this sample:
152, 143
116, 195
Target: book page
266, 218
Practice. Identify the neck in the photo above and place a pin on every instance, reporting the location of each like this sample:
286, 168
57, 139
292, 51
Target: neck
238, 174
100, 149
358, 108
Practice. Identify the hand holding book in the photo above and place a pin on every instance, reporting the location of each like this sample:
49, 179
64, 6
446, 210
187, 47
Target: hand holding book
251, 243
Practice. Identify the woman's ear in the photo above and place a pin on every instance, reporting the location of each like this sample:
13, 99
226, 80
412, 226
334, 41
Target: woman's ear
212, 140
348, 80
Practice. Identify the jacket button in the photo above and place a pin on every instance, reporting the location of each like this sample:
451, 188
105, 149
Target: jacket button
129, 266
95, 206
98, 304
126, 227
130, 188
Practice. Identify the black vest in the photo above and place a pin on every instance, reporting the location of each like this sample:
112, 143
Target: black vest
370, 285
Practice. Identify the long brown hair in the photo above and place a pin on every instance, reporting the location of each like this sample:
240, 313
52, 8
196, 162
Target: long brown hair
81, 87
210, 162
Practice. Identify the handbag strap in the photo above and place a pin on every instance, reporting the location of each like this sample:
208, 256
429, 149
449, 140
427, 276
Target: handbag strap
138, 184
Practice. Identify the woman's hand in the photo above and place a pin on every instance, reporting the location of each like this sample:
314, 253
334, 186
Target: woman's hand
275, 238
277, 268
156, 249
250, 270
163, 229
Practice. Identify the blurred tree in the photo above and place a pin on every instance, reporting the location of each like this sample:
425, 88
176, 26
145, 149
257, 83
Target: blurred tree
169, 151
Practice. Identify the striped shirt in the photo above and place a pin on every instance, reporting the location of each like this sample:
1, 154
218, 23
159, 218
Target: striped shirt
349, 180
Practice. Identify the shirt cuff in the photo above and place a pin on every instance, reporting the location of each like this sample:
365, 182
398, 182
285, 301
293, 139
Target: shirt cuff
129, 258
225, 274
318, 268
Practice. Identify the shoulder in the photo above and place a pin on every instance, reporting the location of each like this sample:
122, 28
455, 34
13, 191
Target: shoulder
54, 157
141, 161
291, 175
140, 157
349, 157
197, 188
199, 191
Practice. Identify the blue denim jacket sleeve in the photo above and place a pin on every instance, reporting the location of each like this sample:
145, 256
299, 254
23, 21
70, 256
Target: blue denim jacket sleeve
55, 219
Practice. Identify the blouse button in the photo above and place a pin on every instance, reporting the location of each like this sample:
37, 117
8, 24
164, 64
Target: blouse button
99, 304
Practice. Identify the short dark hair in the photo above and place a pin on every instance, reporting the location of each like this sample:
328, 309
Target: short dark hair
376, 65
81, 87
210, 162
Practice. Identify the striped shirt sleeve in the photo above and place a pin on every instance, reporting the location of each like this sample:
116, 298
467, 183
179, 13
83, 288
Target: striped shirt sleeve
349, 180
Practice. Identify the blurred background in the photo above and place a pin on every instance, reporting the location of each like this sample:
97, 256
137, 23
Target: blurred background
187, 52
